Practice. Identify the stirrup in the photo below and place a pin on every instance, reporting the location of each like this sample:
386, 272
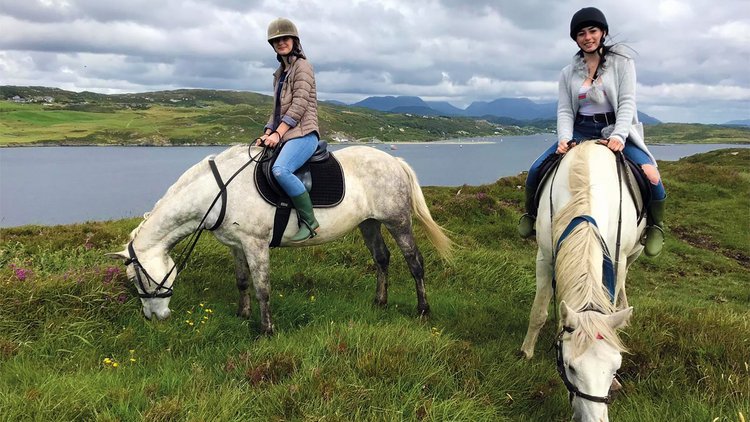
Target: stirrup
312, 234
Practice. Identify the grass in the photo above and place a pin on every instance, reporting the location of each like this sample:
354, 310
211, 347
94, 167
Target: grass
67, 315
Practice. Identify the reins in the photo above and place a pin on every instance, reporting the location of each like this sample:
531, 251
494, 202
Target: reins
184, 255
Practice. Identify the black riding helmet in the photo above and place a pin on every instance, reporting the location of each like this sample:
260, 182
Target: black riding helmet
588, 16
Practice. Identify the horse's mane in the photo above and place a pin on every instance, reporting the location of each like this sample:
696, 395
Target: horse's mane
578, 265
181, 182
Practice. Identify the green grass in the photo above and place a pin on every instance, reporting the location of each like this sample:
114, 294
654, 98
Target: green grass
336, 357
693, 133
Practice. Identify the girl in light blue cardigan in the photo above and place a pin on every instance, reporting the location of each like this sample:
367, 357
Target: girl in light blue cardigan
597, 101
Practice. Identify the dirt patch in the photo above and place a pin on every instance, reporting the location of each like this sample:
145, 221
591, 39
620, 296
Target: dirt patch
705, 242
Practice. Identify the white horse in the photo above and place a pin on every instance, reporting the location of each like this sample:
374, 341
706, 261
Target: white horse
589, 349
379, 189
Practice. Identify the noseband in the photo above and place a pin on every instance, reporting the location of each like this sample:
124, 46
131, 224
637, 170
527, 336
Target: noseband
573, 391
139, 269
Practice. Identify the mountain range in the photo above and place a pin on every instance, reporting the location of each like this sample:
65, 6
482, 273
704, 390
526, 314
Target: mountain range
518, 109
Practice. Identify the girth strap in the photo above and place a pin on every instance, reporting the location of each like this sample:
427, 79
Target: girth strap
222, 191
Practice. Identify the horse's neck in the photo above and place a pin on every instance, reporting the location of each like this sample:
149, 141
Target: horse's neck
579, 263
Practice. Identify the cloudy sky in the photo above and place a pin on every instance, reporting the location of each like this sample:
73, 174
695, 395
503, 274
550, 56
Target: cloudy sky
693, 56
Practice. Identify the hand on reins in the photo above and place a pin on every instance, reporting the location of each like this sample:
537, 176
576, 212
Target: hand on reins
564, 145
272, 139
613, 143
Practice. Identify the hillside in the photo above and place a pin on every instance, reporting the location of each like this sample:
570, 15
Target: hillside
189, 117
50, 116
74, 345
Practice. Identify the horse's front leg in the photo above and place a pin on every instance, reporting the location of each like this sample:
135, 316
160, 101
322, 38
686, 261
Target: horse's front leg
257, 257
538, 314
242, 274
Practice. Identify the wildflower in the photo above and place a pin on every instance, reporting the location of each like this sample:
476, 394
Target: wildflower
209, 311
107, 361
132, 360
132, 351
312, 298
190, 312
122, 298
201, 305
21, 273
205, 316
115, 364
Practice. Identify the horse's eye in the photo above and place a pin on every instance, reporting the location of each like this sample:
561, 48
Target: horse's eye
571, 369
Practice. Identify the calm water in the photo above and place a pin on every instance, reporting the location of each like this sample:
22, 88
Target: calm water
63, 185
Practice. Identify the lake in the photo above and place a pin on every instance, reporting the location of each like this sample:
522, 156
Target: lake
64, 185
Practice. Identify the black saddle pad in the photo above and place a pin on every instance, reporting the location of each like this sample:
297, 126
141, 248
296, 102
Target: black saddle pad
328, 186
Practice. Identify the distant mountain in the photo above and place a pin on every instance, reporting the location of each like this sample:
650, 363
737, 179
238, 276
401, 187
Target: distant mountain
515, 108
335, 102
389, 103
446, 108
520, 111
745, 122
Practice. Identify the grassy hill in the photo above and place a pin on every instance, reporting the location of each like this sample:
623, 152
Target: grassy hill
210, 117
73, 345
183, 117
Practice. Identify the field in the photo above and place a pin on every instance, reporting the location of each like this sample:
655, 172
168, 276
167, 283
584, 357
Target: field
195, 117
73, 345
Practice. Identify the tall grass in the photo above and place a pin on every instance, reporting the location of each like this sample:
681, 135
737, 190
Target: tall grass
73, 345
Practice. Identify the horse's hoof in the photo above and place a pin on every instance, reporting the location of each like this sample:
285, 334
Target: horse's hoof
380, 303
424, 312
266, 331
522, 355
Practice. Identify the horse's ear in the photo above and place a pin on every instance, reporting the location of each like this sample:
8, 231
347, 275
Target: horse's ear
620, 318
568, 316
123, 255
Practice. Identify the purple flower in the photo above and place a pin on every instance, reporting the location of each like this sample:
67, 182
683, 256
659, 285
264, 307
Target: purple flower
122, 298
110, 274
22, 274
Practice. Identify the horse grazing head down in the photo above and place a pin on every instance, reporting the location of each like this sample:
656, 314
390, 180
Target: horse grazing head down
153, 276
589, 353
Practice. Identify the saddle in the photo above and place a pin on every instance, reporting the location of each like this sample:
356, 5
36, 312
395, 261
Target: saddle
636, 181
322, 176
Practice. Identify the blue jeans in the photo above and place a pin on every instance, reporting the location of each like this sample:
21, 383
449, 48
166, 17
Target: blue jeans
588, 129
294, 154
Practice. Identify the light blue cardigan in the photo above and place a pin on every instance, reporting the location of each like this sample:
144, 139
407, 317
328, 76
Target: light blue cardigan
617, 79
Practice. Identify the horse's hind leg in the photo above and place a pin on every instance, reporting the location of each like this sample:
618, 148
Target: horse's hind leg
404, 237
242, 273
380, 254
538, 314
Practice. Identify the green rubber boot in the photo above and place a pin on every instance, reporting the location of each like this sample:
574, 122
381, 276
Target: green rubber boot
653, 236
527, 223
306, 217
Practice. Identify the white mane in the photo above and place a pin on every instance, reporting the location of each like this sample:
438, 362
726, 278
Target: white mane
579, 262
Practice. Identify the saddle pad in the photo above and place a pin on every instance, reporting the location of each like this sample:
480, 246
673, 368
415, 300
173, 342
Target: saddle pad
327, 185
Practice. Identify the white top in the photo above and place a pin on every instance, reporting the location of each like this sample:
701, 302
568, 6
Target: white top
587, 107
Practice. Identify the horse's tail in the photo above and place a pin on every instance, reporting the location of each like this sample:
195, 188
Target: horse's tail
435, 233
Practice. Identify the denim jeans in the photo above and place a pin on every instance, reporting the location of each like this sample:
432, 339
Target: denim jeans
588, 129
292, 156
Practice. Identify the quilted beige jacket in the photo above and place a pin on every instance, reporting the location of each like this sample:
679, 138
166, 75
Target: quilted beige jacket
299, 100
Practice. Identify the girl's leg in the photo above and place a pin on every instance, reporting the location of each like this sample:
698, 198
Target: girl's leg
294, 154
653, 237
528, 220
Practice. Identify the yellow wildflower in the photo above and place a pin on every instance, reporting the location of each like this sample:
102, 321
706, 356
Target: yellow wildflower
115, 364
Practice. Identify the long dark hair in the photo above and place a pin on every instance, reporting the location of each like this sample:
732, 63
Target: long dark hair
605, 49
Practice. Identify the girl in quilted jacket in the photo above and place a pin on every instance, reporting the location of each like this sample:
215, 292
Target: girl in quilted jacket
597, 101
294, 121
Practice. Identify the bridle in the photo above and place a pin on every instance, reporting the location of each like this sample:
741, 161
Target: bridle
143, 293
573, 391
194, 236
